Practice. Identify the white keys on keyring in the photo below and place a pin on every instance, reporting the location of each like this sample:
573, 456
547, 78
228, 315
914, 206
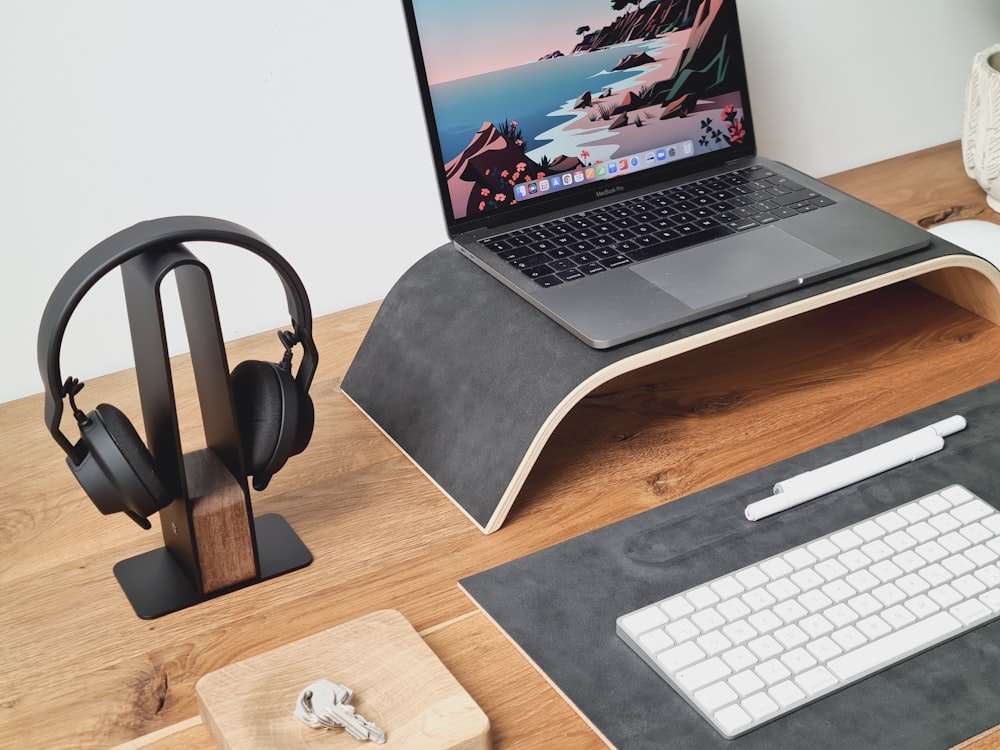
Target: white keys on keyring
327, 705
764, 640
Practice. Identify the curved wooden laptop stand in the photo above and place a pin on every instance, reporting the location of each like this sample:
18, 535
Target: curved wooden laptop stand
469, 381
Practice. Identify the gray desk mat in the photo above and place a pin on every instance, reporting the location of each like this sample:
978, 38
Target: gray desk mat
559, 605
462, 373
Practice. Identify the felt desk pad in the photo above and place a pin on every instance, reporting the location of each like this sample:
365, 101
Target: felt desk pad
559, 605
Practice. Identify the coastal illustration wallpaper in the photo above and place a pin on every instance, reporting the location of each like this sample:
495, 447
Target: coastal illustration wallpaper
535, 97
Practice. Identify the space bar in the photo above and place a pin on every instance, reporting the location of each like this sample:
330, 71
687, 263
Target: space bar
678, 243
902, 643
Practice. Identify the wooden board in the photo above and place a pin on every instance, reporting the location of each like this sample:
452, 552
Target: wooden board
398, 682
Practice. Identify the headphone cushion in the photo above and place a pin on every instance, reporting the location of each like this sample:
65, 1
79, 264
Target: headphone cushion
133, 450
306, 423
260, 411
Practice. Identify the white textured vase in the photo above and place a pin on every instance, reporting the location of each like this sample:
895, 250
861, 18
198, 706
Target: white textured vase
981, 133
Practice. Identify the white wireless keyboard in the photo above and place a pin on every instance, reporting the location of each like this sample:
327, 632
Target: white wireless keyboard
751, 646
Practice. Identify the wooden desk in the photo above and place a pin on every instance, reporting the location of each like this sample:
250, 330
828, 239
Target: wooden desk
78, 669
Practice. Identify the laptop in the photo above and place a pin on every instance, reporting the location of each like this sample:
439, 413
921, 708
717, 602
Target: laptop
601, 163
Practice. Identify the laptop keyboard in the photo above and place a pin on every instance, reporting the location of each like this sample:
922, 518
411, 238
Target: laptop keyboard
766, 639
636, 229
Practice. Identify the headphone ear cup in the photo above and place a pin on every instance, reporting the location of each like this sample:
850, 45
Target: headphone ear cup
257, 396
275, 417
118, 472
306, 422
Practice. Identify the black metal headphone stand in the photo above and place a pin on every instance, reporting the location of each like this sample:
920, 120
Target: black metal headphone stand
212, 542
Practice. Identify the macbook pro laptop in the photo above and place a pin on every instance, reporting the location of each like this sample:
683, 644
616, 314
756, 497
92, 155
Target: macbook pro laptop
601, 163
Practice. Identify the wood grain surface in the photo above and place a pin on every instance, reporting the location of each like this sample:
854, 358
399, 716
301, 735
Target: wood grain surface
397, 683
79, 669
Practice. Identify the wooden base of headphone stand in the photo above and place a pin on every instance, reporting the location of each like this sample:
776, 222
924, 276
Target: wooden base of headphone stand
213, 545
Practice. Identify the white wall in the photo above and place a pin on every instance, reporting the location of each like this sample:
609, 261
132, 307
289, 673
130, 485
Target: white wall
301, 121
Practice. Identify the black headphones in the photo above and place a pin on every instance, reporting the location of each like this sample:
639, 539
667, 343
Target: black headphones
274, 411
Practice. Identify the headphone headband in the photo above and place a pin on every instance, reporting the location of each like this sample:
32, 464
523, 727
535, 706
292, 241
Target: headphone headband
130, 242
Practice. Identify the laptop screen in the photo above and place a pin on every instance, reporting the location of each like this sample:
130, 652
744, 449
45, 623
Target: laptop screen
529, 100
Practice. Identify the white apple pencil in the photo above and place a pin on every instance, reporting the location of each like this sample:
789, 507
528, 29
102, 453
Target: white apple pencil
812, 484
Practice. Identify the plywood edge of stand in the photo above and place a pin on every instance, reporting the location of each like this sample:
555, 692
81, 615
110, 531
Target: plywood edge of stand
966, 280
972, 288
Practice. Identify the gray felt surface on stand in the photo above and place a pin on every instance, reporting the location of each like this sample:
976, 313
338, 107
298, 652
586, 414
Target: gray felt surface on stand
462, 373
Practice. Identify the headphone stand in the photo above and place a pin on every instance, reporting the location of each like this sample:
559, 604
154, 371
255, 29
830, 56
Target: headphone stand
212, 542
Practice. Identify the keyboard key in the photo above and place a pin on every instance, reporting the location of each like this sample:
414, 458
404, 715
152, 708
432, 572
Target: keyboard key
846, 539
990, 575
840, 615
733, 719
786, 693
764, 647
727, 587
956, 494
869, 530
891, 521
733, 609
760, 706
716, 696
799, 558
913, 513
700, 674
681, 656
991, 599
944, 522
707, 619
739, 631
752, 577
758, 599
772, 671
656, 641
775, 568
745, 683
893, 646
681, 630
935, 503
643, 620
888, 594
798, 660
823, 549
815, 680
878, 549
848, 638
824, 648
968, 585
702, 597
944, 595
931, 551
739, 658
713, 643
908, 561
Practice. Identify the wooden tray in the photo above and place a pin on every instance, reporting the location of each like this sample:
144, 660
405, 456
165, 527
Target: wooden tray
398, 683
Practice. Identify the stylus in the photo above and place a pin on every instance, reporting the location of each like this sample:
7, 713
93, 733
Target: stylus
869, 463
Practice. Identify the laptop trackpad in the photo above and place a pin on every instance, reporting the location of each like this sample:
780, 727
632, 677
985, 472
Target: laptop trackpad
734, 267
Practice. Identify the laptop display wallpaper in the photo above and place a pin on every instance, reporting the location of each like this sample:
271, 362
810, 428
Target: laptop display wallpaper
541, 97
